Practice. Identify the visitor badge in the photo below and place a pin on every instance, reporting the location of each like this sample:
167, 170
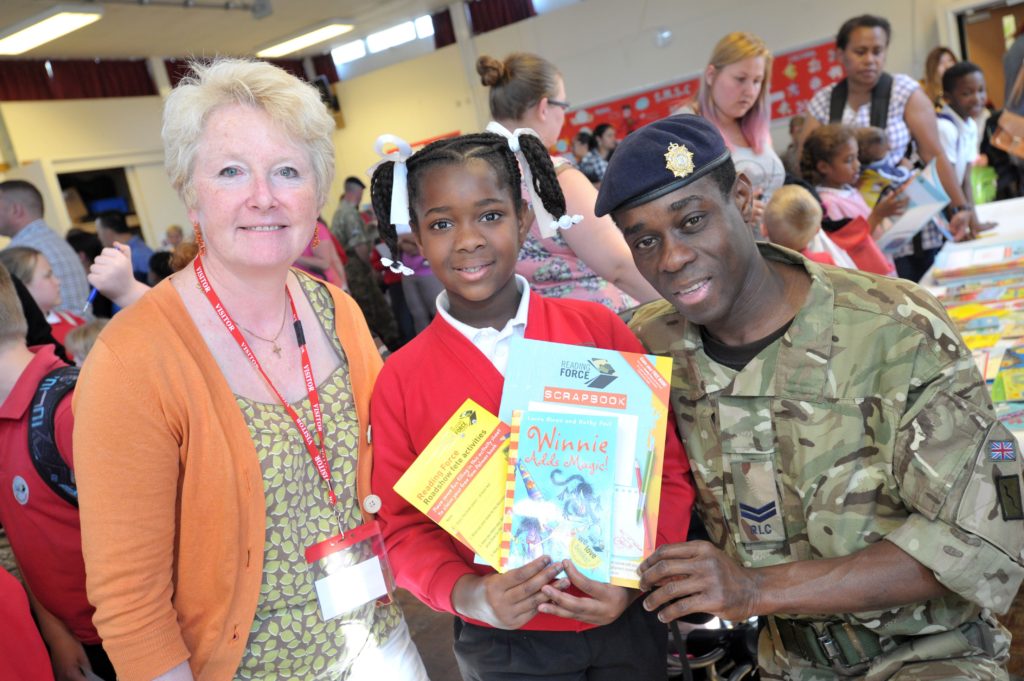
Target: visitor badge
350, 570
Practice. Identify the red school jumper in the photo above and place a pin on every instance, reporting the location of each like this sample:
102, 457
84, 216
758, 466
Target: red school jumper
43, 528
423, 384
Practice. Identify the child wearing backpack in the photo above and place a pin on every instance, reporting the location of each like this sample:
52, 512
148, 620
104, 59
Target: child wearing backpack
963, 92
42, 520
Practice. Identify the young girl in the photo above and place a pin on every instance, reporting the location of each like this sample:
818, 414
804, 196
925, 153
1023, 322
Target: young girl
830, 162
467, 215
35, 271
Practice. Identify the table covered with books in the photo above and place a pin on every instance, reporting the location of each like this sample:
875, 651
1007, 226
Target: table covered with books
981, 284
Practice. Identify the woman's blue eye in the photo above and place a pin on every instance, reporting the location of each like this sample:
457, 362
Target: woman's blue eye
229, 172
289, 172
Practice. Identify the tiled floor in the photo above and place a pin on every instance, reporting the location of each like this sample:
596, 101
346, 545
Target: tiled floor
432, 633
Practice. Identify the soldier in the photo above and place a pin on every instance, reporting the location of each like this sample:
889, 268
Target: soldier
858, 490
352, 233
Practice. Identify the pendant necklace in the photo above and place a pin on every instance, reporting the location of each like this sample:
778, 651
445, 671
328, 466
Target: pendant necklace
276, 349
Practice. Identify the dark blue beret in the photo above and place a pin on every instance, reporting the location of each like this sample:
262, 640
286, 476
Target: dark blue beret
660, 158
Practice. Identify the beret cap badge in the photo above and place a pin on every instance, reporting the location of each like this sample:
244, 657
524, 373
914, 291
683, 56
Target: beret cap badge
679, 160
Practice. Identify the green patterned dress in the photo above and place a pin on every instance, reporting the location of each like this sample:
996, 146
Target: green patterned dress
289, 640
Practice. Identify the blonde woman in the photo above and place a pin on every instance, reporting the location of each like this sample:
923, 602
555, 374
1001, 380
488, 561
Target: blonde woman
734, 97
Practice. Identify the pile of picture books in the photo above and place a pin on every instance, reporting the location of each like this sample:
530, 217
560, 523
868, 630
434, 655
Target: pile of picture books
570, 468
989, 312
979, 260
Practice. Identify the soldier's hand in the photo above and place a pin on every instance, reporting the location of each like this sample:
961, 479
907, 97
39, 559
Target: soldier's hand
697, 577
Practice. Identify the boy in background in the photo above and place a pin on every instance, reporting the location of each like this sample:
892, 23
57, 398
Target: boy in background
43, 527
793, 219
963, 90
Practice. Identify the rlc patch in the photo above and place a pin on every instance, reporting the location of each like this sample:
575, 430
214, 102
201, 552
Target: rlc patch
1008, 490
1002, 450
20, 489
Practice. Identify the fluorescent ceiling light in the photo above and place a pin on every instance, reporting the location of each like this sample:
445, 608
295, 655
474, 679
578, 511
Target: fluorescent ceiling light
343, 54
42, 28
424, 26
312, 37
391, 37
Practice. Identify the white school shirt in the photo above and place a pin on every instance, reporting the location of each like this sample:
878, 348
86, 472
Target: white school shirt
959, 140
494, 343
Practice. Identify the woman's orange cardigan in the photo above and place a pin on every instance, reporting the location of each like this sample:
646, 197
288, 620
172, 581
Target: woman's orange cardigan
171, 489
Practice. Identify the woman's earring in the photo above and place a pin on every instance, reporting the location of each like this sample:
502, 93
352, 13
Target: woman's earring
199, 238
316, 237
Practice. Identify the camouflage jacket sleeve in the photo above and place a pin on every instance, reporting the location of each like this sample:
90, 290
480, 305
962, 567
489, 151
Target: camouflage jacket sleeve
959, 471
348, 227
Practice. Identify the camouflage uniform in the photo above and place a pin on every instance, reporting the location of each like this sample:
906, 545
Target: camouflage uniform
350, 230
866, 420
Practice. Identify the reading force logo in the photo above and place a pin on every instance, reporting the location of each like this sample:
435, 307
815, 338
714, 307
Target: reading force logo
466, 419
597, 373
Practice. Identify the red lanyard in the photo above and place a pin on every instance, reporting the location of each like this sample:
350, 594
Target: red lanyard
317, 454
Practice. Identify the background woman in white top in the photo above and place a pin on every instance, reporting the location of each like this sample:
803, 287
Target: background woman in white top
734, 96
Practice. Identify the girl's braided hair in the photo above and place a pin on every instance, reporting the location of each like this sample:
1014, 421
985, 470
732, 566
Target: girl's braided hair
822, 145
488, 146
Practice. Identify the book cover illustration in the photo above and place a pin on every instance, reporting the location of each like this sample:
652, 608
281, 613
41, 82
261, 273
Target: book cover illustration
563, 490
458, 481
633, 389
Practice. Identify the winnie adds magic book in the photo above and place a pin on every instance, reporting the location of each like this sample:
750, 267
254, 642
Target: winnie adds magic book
561, 471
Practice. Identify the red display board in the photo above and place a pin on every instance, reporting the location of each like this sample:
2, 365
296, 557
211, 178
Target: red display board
796, 76
626, 114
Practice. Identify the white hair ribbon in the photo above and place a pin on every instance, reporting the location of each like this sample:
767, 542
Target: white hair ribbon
546, 222
397, 266
399, 184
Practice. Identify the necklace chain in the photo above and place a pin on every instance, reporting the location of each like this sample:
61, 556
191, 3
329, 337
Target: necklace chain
276, 349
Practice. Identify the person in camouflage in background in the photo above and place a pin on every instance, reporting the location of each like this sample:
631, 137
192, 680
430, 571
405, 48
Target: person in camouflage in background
357, 240
855, 483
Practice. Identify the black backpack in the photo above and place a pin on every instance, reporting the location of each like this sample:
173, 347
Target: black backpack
880, 95
42, 439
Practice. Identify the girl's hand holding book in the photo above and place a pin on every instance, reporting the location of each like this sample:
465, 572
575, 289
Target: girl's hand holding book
505, 601
604, 605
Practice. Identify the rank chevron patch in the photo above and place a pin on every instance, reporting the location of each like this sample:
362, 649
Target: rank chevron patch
760, 514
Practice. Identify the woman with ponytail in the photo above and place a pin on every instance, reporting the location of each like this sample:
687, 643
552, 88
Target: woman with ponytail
586, 261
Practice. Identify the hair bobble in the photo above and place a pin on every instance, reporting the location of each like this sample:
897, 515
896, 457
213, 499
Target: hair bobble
567, 221
399, 184
397, 266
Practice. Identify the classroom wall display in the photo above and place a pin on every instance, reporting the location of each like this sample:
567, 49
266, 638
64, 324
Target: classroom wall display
796, 75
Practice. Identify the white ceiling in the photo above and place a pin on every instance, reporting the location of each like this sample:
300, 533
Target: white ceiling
142, 30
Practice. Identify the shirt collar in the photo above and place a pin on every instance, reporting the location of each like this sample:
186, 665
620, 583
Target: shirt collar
472, 332
958, 120
33, 226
